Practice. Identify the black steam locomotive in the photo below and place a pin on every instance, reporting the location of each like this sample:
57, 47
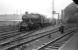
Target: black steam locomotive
33, 21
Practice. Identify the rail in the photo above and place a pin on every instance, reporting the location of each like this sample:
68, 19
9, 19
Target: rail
56, 39
27, 38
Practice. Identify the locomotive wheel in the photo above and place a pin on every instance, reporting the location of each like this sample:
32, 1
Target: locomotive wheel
37, 26
27, 29
22, 28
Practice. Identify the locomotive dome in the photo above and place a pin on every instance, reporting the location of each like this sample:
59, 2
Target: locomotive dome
71, 13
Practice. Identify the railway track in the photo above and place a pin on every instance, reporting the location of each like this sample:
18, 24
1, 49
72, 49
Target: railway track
13, 36
24, 39
56, 43
4, 29
7, 34
41, 40
11, 33
53, 41
5, 41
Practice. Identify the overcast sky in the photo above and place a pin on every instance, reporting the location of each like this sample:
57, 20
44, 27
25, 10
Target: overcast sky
37, 6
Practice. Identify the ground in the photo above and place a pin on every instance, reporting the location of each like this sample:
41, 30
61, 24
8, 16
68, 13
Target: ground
71, 44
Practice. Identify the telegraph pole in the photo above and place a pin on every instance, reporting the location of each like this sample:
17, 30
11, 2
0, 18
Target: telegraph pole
53, 8
54, 12
62, 16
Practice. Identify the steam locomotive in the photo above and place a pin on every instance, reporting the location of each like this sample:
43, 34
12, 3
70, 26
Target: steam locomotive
33, 21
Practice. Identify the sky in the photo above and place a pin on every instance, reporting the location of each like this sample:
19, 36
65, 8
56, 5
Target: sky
37, 6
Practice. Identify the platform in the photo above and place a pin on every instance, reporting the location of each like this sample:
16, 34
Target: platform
71, 44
